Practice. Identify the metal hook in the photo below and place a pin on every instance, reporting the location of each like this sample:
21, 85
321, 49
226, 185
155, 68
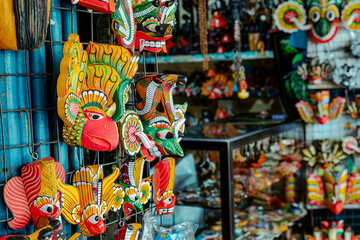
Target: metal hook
34, 155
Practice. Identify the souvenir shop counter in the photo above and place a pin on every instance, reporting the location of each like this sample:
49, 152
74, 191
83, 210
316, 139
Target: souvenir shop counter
228, 137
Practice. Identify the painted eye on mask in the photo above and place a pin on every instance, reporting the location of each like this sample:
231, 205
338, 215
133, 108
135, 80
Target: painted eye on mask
156, 3
168, 200
315, 17
47, 208
94, 116
333, 200
133, 197
165, 134
330, 15
94, 219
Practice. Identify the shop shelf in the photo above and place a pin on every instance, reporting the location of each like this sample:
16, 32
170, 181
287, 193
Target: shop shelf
327, 85
229, 56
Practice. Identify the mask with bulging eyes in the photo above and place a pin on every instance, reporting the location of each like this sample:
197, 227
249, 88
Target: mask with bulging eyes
145, 25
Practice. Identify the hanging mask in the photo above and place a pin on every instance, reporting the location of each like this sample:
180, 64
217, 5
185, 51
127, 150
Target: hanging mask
44, 233
35, 193
93, 90
162, 120
90, 198
163, 181
338, 190
129, 232
154, 23
107, 6
324, 18
137, 191
23, 24
320, 109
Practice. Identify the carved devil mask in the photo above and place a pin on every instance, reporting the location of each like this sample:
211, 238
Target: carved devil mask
92, 89
162, 120
136, 190
89, 199
154, 23
163, 181
35, 193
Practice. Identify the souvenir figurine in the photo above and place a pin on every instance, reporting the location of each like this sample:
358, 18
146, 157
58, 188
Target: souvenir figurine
164, 122
130, 231
337, 192
290, 188
320, 110
354, 107
23, 24
154, 23
323, 17
92, 92
35, 193
163, 181
218, 86
90, 198
107, 6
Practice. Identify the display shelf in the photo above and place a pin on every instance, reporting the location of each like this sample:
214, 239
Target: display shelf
316, 207
215, 57
214, 207
327, 85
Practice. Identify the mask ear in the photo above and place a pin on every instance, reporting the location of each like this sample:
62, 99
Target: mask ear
14, 189
145, 192
108, 190
70, 201
119, 197
124, 25
288, 12
349, 15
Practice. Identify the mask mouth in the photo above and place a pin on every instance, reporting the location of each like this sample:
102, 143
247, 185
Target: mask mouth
334, 28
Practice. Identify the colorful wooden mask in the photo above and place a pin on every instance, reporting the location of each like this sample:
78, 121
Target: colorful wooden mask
164, 122
323, 17
154, 23
23, 24
137, 191
129, 232
324, 152
163, 181
92, 92
329, 230
320, 110
89, 199
338, 190
35, 193
43, 233
107, 6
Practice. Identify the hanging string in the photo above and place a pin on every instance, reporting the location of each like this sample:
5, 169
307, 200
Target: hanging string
203, 33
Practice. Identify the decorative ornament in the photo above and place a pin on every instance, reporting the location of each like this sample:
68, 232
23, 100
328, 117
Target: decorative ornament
354, 107
23, 24
92, 92
324, 153
164, 122
332, 231
153, 26
323, 17
350, 145
290, 188
218, 86
320, 109
338, 190
107, 6
35, 193
130, 231
137, 191
90, 198
163, 181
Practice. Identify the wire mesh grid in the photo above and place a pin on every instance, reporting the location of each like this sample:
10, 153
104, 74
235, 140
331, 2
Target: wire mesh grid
41, 134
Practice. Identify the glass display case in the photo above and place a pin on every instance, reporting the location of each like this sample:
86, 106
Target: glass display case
219, 150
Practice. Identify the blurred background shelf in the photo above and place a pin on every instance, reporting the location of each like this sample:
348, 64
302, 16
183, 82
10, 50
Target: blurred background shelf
229, 56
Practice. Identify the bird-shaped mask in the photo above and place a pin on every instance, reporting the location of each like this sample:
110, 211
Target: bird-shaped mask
89, 198
35, 193
92, 92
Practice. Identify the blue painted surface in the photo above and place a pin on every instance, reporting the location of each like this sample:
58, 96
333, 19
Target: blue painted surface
66, 20
39, 100
23, 103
